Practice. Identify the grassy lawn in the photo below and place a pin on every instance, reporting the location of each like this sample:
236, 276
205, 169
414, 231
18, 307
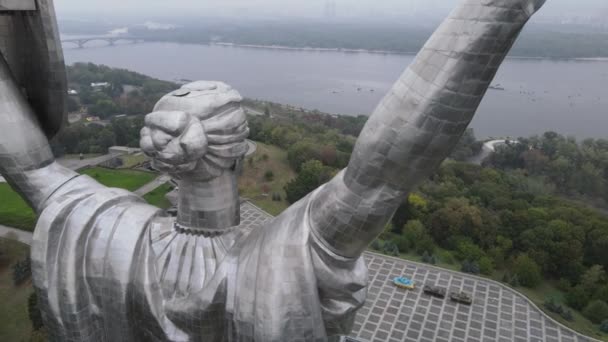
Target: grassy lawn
125, 179
255, 187
157, 197
14, 318
14, 212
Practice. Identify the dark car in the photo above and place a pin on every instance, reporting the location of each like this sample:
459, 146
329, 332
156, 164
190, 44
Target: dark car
461, 297
434, 291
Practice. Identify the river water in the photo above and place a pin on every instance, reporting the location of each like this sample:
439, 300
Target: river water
569, 97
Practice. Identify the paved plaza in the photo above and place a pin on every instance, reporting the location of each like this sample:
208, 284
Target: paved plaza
397, 315
497, 314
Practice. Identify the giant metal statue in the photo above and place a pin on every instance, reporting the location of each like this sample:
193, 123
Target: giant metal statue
109, 267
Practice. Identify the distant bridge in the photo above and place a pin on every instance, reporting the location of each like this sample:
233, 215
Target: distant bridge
81, 42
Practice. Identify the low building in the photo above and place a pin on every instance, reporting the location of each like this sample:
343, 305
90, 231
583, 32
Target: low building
123, 150
100, 85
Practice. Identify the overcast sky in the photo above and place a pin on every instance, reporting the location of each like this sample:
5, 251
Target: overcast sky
314, 8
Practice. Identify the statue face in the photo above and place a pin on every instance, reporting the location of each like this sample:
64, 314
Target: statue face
199, 130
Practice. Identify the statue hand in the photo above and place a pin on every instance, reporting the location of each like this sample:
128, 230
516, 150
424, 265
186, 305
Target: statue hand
175, 141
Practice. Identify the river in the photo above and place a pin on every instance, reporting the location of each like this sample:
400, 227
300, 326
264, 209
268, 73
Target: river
569, 97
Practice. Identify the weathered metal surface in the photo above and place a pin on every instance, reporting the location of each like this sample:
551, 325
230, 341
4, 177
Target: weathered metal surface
109, 267
17, 5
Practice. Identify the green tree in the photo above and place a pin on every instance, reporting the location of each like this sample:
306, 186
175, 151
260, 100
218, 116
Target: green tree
468, 250
486, 266
527, 271
269, 176
300, 153
577, 297
72, 104
418, 238
103, 108
593, 279
312, 175
596, 311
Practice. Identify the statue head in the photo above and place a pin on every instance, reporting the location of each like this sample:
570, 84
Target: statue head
198, 135
198, 131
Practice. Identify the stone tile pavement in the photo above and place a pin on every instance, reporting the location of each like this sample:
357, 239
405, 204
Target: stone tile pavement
497, 314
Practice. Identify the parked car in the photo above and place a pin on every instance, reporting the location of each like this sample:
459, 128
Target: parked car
404, 283
434, 291
461, 297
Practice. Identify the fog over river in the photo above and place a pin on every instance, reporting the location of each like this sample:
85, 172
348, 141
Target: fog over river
569, 97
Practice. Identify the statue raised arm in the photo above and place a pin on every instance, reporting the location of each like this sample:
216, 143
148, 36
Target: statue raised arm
419, 122
109, 267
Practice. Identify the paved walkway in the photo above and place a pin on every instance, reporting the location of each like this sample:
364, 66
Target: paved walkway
153, 185
77, 164
16, 234
252, 148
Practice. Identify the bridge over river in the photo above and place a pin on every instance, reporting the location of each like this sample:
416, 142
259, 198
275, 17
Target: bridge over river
110, 40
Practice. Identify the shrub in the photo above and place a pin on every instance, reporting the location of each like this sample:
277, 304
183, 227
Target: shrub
577, 297
604, 326
390, 248
425, 245
470, 267
269, 176
448, 258
402, 243
552, 306
486, 266
567, 315
596, 311
34, 312
527, 271
376, 245
564, 285
22, 271
515, 281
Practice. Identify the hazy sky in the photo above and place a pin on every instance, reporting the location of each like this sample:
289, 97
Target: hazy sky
316, 8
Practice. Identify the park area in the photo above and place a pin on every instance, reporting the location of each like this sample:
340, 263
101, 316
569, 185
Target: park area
15, 324
14, 212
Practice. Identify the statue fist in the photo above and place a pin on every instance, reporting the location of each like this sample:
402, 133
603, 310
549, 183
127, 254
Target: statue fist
176, 141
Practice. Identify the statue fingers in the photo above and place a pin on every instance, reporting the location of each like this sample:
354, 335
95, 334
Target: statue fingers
170, 122
193, 142
145, 142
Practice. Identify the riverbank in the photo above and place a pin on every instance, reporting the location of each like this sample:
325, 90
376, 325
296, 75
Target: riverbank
387, 52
